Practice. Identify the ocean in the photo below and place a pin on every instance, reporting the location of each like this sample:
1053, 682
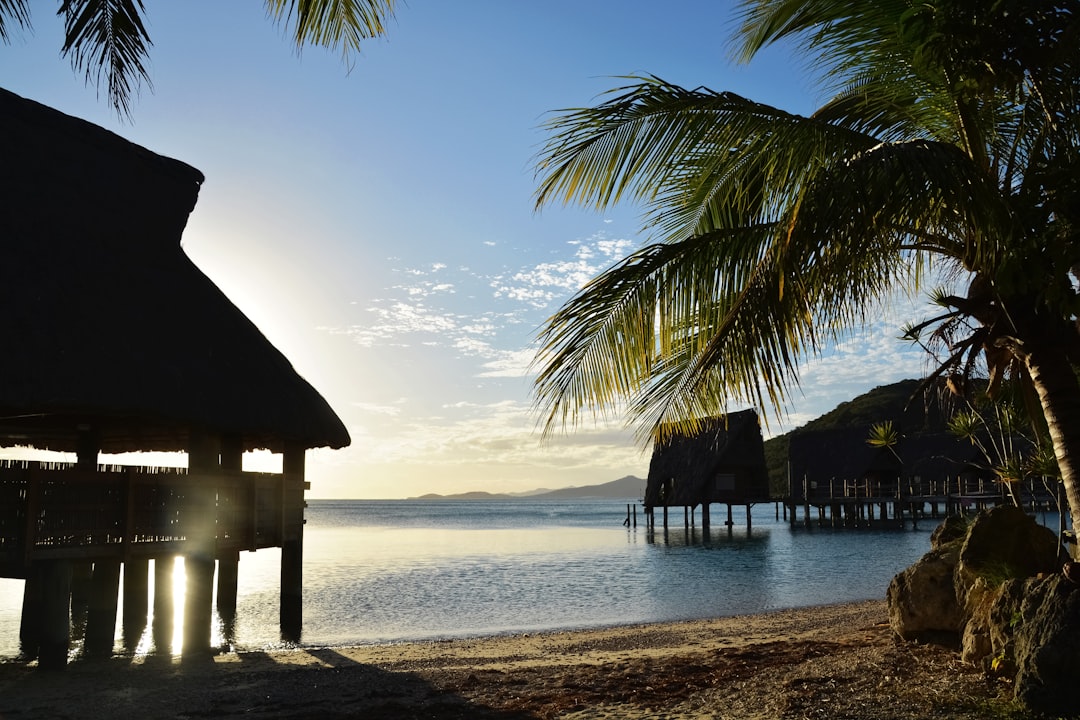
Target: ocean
382, 570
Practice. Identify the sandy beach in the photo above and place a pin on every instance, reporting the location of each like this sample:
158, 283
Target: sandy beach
838, 661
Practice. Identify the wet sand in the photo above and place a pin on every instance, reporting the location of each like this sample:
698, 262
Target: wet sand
838, 661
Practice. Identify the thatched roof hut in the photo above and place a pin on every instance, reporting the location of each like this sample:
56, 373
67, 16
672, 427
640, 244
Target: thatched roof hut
108, 325
824, 462
723, 463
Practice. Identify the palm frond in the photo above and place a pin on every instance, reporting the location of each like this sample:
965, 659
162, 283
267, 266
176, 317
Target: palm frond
698, 160
107, 38
343, 24
13, 11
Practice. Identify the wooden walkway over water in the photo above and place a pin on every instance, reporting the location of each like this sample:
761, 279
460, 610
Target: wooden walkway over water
863, 503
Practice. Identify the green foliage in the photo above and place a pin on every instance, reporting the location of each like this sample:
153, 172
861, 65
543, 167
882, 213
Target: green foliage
997, 571
883, 435
1013, 448
775, 233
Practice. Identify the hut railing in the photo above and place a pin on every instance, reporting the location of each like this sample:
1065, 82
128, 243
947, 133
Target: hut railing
57, 511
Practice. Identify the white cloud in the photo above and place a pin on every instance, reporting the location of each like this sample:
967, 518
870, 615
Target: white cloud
508, 363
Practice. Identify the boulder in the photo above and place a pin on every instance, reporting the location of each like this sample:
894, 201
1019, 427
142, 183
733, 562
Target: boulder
1037, 633
922, 598
1001, 544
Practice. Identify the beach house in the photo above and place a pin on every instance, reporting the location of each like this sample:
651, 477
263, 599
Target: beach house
724, 462
115, 342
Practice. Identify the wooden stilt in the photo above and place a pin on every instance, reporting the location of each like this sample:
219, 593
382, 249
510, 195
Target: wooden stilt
204, 457
292, 590
164, 603
82, 573
228, 571
292, 546
806, 501
55, 634
136, 601
705, 516
198, 605
31, 621
101, 612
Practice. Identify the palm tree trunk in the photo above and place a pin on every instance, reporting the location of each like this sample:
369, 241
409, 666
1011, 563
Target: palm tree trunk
1056, 383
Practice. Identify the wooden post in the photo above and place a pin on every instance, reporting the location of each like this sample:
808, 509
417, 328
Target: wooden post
101, 612
164, 603
232, 459
228, 572
55, 633
705, 515
749, 522
82, 573
31, 621
806, 501
198, 605
136, 600
204, 451
291, 609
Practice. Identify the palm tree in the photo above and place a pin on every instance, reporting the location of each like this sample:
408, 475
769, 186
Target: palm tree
950, 142
108, 41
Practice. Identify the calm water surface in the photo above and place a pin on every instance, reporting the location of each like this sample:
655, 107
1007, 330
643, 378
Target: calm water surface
403, 570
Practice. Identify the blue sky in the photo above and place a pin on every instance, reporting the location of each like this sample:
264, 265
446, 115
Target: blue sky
377, 222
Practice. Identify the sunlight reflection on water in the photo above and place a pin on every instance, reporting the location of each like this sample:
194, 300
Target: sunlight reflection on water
382, 571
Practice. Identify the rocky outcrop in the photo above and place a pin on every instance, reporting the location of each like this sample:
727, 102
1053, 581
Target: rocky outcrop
1012, 610
1001, 544
1036, 641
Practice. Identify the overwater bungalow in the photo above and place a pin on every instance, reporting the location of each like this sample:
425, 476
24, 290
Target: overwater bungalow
115, 342
722, 463
852, 482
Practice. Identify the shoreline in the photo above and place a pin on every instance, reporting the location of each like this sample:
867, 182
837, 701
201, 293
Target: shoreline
804, 662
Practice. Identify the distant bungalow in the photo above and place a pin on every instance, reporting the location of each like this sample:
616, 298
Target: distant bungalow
724, 462
115, 342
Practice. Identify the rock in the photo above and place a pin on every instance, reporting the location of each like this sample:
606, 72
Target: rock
1004, 617
954, 527
975, 644
1000, 587
1044, 643
1004, 543
922, 598
1001, 544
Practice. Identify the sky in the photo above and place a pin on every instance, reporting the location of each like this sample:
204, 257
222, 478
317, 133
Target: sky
375, 219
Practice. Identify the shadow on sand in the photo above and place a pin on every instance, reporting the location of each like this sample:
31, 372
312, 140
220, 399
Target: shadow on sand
317, 683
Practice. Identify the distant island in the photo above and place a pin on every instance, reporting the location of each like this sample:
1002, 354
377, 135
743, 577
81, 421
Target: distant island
625, 488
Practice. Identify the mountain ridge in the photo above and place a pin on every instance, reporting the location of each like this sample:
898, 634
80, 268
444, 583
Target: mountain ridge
629, 486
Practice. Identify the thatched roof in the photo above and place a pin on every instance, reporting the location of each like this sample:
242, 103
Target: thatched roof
844, 454
685, 469
106, 321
